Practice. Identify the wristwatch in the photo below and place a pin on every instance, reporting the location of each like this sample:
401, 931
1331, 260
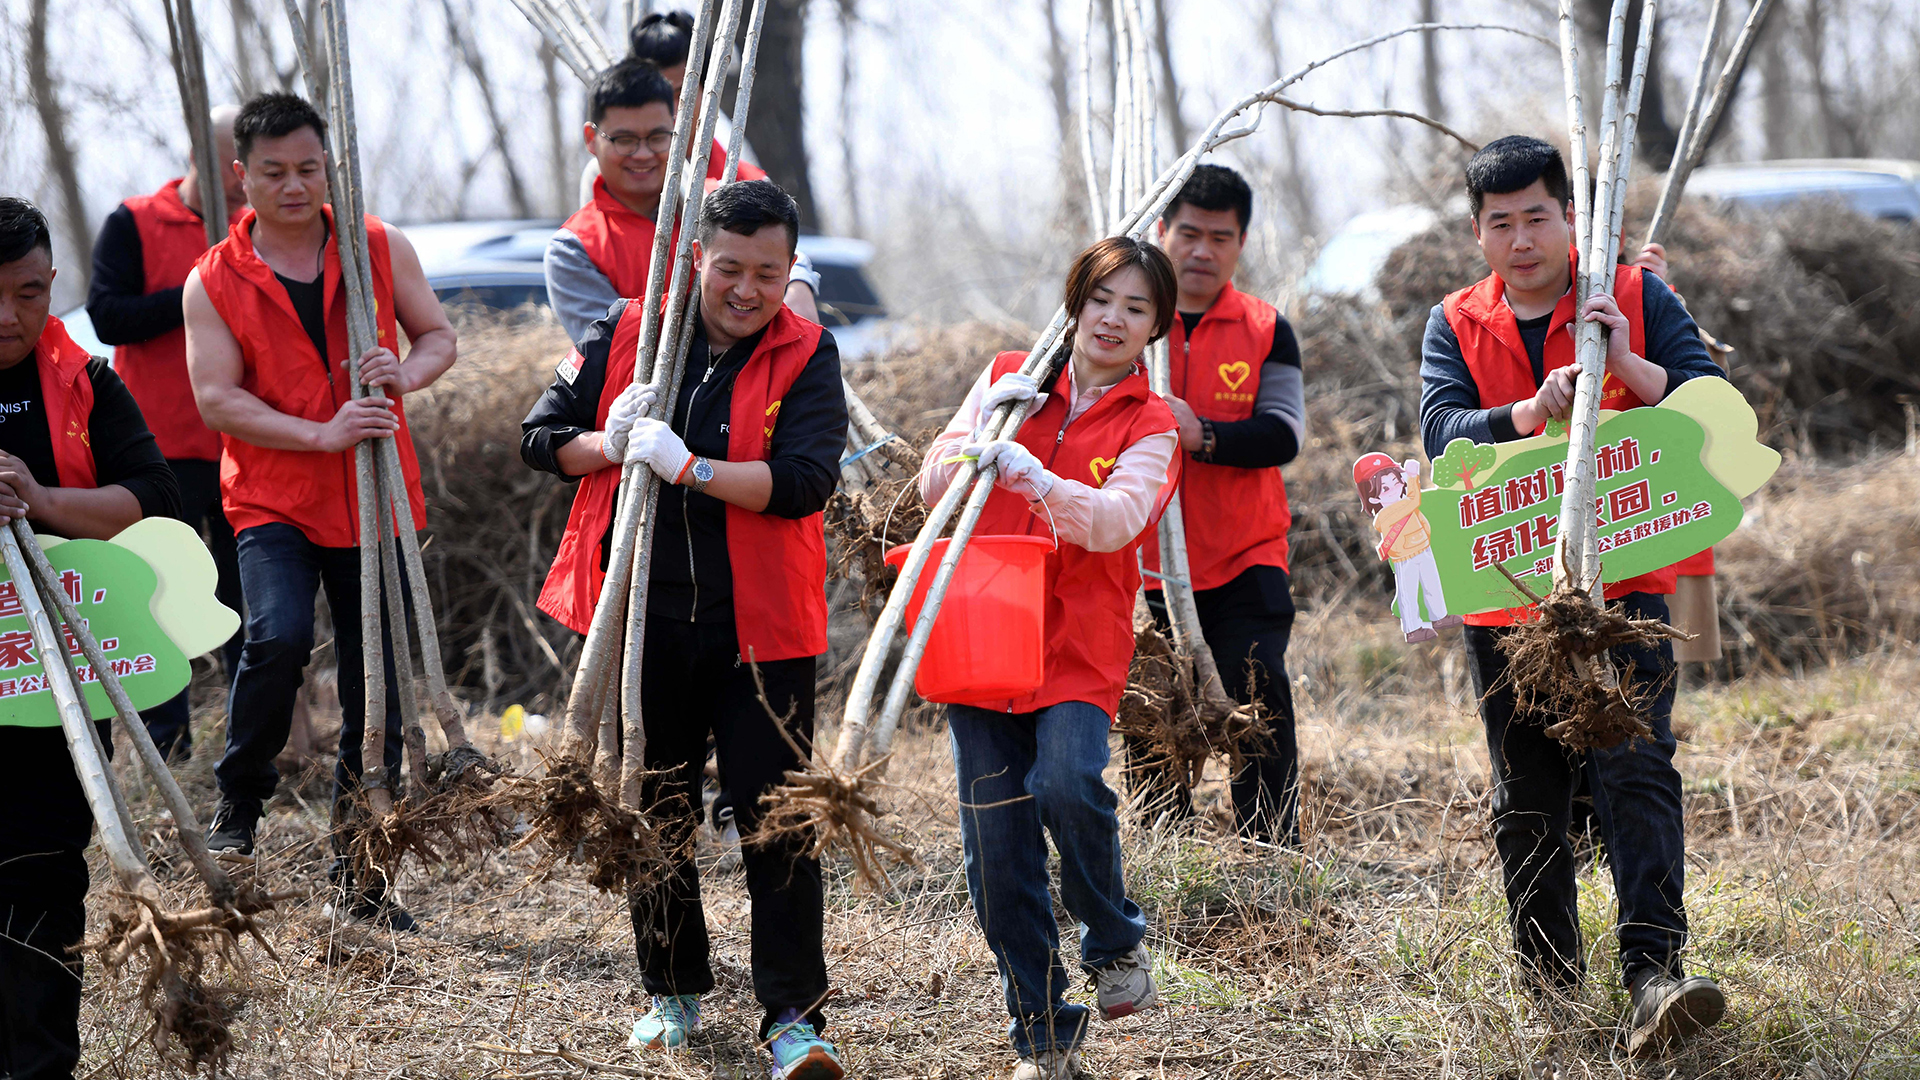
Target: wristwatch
701, 473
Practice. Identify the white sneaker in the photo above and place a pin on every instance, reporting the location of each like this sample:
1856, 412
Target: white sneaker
1051, 1065
1125, 986
729, 841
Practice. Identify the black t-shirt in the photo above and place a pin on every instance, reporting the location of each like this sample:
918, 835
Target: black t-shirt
309, 300
23, 421
124, 451
1533, 334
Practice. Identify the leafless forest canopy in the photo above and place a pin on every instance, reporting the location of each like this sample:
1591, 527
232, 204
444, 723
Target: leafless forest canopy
943, 132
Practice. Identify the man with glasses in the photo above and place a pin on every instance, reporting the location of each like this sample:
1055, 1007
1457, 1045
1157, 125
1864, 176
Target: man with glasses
602, 253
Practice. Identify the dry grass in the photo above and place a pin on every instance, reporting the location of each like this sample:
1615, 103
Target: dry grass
1379, 951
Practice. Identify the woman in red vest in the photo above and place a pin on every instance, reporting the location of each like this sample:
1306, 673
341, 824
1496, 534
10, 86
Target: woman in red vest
1497, 364
1091, 467
77, 461
736, 594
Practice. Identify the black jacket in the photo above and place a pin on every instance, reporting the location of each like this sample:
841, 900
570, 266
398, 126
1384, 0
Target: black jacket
691, 577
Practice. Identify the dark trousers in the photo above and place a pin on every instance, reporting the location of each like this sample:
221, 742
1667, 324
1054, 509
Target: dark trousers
1247, 623
200, 507
1636, 803
43, 889
1020, 774
694, 683
283, 572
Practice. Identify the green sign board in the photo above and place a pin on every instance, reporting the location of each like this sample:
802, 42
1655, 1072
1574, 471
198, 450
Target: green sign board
1669, 484
146, 596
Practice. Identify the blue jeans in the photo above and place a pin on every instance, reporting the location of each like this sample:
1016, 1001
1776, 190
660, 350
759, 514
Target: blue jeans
282, 571
1018, 773
1636, 802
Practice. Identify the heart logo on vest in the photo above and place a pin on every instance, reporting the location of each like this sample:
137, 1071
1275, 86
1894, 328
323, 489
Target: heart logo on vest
1235, 373
773, 417
1098, 466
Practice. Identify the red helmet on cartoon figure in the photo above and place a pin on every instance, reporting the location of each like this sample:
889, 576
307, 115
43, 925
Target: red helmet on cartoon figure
1370, 466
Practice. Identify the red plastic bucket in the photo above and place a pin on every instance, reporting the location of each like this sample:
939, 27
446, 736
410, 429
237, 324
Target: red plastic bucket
989, 642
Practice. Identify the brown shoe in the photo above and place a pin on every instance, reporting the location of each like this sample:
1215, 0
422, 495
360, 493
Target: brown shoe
1668, 1011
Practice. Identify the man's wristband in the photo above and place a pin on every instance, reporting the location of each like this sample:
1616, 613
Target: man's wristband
685, 467
1207, 439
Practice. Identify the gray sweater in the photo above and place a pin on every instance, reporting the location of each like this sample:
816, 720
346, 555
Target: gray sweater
1450, 400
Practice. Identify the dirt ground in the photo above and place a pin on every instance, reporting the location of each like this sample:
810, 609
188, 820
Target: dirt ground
1380, 950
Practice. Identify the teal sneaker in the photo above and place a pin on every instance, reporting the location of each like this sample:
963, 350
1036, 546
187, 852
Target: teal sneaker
668, 1026
799, 1054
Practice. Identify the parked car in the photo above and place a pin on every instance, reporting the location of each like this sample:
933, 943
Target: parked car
1352, 258
1878, 188
495, 267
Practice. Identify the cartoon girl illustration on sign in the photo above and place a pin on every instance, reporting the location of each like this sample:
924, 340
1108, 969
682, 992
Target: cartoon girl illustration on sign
1391, 493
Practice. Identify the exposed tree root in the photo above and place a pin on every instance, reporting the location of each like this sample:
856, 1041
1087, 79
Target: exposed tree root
579, 823
1178, 725
821, 808
458, 817
1561, 665
190, 1018
865, 524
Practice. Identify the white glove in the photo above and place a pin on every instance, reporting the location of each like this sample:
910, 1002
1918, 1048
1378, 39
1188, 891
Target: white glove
653, 443
1012, 386
1020, 472
637, 398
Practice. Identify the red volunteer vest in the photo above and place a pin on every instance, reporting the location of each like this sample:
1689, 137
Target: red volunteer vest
779, 564
155, 371
1089, 609
1490, 342
717, 166
619, 241
68, 392
312, 491
1236, 518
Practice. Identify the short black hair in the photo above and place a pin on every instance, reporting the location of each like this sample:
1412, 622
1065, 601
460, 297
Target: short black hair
272, 115
22, 228
745, 207
628, 84
1513, 163
664, 37
1214, 187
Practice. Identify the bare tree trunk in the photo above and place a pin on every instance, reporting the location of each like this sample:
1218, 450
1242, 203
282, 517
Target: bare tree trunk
1169, 87
849, 168
53, 119
1776, 93
776, 126
1072, 182
247, 47
560, 181
1295, 190
477, 67
1430, 98
1657, 139
1840, 133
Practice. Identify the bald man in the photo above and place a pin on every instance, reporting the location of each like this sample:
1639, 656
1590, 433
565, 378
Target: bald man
140, 261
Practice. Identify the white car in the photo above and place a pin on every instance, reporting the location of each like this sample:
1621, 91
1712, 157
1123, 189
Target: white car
496, 265
1878, 188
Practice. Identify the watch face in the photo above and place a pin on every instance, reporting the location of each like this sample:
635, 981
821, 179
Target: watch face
703, 470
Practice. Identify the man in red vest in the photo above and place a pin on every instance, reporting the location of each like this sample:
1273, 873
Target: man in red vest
737, 589
1496, 365
267, 351
1238, 397
602, 253
140, 261
77, 461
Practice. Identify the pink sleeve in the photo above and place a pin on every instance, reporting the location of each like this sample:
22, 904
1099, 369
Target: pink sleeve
1108, 517
936, 476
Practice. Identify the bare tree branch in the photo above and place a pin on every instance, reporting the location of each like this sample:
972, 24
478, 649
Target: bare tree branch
60, 156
